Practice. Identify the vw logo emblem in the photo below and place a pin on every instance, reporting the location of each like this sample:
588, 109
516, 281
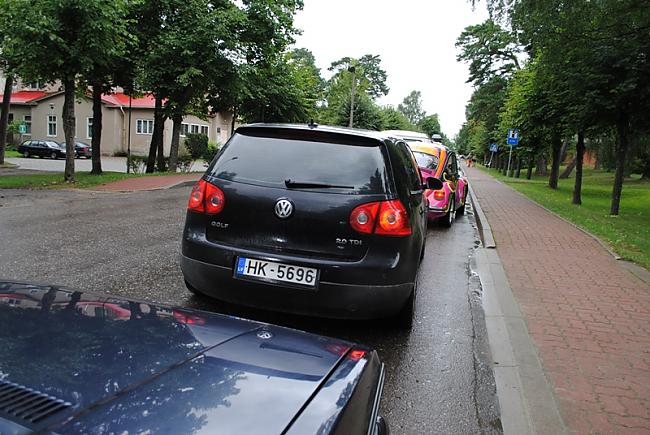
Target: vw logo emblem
264, 335
283, 208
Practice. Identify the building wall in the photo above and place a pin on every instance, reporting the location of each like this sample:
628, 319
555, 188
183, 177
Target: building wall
111, 131
18, 113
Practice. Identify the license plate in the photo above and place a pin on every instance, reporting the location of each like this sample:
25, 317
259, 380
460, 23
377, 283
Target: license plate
261, 270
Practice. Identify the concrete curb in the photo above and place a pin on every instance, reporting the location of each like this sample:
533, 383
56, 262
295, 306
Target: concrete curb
181, 183
481, 220
526, 398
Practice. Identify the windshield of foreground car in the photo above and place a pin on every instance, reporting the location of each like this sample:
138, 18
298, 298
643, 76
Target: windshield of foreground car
426, 160
303, 164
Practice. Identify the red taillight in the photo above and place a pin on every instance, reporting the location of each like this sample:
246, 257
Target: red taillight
362, 218
196, 197
206, 198
387, 218
439, 194
214, 199
393, 219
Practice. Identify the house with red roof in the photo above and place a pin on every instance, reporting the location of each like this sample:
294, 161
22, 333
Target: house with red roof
40, 108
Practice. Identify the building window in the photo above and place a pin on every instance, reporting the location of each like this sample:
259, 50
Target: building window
28, 124
89, 128
51, 125
218, 131
34, 85
204, 130
195, 128
144, 126
185, 128
11, 118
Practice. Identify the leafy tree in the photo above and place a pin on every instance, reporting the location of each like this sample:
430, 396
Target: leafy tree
61, 39
430, 125
393, 119
371, 77
490, 50
411, 107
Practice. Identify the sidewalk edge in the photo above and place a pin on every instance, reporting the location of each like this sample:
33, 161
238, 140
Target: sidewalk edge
484, 226
526, 399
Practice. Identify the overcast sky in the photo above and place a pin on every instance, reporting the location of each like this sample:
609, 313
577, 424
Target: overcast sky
415, 39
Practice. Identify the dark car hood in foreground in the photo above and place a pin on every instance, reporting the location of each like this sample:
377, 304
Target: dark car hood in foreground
143, 367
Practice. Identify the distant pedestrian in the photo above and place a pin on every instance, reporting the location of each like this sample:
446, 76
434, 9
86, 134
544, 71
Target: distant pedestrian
470, 159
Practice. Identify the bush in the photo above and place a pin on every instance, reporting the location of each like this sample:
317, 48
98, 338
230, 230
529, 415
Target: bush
185, 163
138, 164
119, 154
196, 144
210, 151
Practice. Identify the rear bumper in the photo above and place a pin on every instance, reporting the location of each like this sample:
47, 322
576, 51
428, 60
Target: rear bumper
329, 299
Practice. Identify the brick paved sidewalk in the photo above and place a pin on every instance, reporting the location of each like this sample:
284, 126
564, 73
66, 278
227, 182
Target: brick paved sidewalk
148, 183
588, 316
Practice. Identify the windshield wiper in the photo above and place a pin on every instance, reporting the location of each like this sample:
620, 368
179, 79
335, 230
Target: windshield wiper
307, 185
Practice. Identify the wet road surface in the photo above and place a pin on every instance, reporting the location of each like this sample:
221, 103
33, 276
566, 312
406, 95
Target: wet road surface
439, 377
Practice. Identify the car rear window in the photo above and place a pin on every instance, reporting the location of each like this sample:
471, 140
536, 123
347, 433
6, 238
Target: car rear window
426, 160
271, 161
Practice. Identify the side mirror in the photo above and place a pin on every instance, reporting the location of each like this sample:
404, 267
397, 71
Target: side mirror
433, 183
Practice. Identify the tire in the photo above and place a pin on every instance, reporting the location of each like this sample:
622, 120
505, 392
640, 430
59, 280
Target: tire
448, 218
461, 209
26, 154
404, 319
53, 156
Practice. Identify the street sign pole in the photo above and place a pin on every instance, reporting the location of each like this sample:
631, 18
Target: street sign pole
509, 159
513, 139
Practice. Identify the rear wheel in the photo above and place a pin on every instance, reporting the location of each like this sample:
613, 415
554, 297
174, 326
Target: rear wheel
26, 154
461, 209
404, 319
448, 218
53, 156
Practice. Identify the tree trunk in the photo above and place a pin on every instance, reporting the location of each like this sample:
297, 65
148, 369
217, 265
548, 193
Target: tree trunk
176, 135
540, 167
158, 126
96, 141
645, 174
232, 123
556, 150
518, 171
4, 117
580, 152
529, 171
565, 147
597, 161
68, 127
622, 131
567, 171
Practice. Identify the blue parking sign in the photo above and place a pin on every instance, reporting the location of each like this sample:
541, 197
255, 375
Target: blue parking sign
494, 148
513, 137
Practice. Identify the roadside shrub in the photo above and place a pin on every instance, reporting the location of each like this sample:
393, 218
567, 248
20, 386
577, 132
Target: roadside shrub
138, 164
185, 163
196, 144
210, 151
119, 154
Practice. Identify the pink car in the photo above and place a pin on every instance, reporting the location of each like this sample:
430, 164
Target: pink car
438, 161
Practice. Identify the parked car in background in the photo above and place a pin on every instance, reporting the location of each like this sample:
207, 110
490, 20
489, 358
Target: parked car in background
438, 161
314, 220
68, 369
81, 149
406, 135
41, 148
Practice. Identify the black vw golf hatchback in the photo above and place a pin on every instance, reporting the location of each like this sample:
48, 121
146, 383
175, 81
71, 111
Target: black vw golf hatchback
308, 219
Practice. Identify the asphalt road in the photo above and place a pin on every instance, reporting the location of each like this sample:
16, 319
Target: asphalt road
439, 379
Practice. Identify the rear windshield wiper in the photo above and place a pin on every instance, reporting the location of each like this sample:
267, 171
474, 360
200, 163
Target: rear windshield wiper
307, 185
